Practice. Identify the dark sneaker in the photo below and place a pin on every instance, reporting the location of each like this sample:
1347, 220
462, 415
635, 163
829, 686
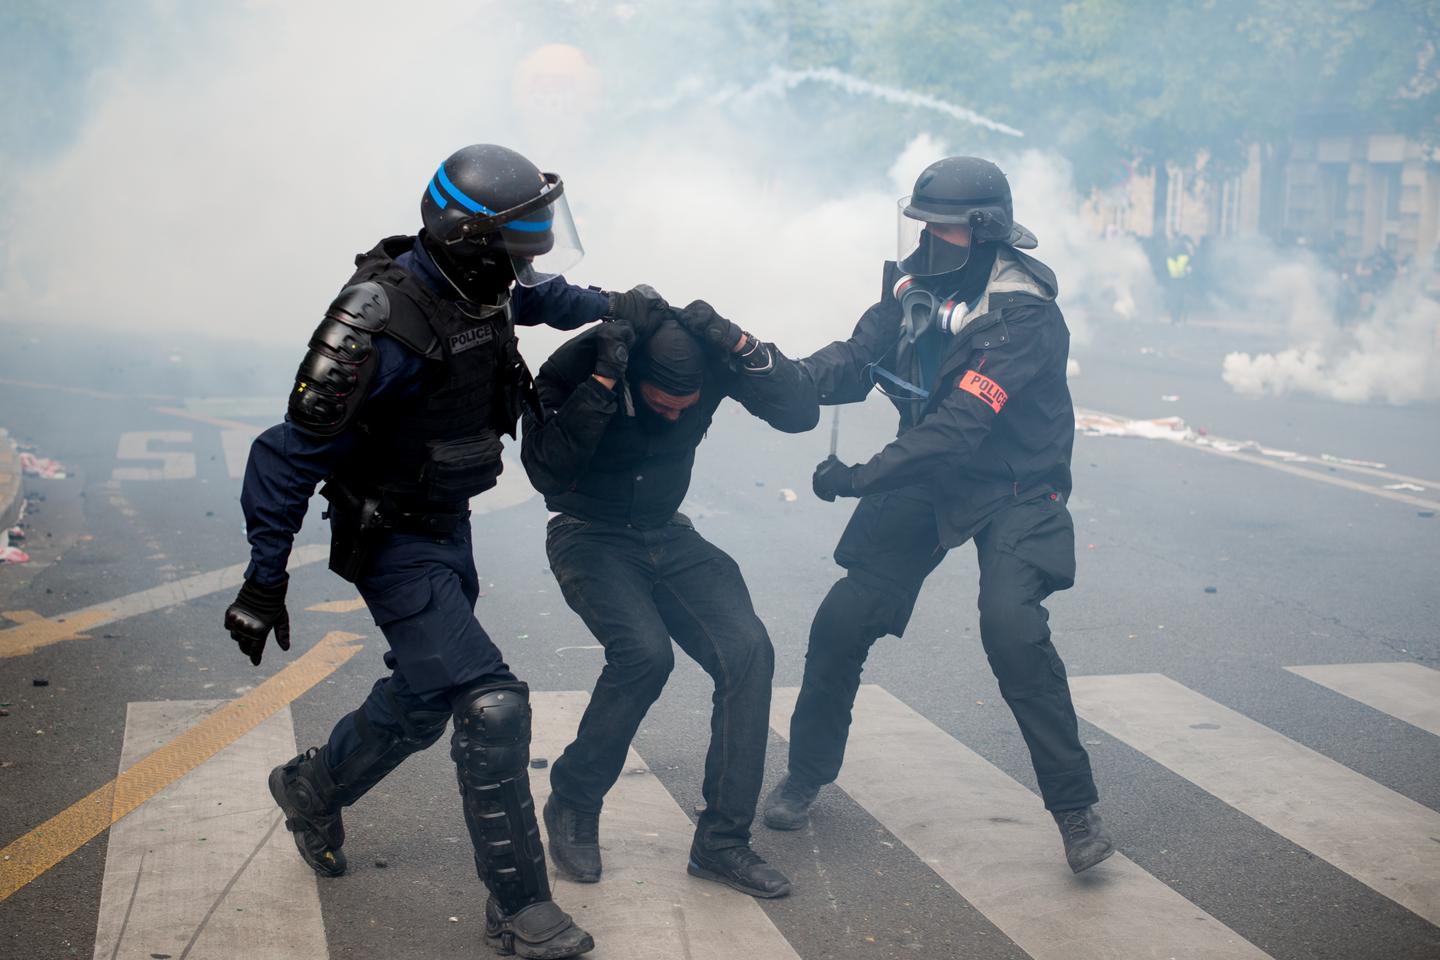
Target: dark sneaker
315, 825
541, 931
1087, 842
574, 841
739, 868
788, 805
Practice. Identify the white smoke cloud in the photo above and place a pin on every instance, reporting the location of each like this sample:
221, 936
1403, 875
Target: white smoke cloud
1391, 354
226, 191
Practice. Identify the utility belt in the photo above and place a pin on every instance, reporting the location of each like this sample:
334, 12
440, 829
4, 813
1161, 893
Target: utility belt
360, 523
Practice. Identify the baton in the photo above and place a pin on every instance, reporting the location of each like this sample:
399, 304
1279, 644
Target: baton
835, 431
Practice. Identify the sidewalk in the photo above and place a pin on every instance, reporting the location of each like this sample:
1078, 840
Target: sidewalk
11, 499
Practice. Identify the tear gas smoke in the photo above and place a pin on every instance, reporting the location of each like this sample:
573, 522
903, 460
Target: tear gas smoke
1389, 354
225, 191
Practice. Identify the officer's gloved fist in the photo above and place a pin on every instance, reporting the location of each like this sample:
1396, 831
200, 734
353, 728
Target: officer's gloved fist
641, 306
833, 479
701, 320
256, 611
613, 341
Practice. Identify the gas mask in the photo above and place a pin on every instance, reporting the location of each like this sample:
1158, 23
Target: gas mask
921, 309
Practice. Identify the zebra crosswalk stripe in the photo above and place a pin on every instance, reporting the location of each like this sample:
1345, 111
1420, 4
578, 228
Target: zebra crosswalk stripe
1406, 691
646, 907
196, 870
1379, 837
992, 840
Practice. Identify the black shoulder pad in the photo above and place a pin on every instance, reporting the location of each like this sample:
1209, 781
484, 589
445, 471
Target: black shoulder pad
364, 306
335, 375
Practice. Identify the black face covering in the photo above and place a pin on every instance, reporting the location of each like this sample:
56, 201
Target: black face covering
480, 274
968, 282
935, 257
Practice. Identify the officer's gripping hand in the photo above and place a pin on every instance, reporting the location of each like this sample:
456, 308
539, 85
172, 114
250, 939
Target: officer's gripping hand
613, 341
641, 306
256, 611
702, 321
833, 479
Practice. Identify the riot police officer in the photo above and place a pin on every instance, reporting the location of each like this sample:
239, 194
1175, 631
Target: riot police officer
970, 346
410, 380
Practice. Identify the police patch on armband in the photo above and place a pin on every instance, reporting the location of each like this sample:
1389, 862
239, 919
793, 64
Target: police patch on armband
984, 388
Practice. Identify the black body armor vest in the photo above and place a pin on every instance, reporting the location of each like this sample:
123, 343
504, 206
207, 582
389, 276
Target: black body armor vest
435, 449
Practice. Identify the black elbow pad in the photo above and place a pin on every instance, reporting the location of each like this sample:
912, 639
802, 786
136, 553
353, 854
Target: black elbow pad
336, 372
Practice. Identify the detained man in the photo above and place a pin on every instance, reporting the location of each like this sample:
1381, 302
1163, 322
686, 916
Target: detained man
613, 457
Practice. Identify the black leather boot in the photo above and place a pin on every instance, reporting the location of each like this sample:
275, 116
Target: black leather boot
306, 793
541, 931
1087, 842
574, 840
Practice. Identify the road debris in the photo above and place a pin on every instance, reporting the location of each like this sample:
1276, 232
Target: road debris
42, 467
788, 495
1415, 487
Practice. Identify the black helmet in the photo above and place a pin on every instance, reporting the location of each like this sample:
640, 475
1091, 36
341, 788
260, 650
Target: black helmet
956, 190
486, 199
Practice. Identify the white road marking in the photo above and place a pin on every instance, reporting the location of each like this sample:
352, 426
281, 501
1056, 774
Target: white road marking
993, 841
1384, 840
207, 869
1406, 691
236, 444
174, 464
645, 906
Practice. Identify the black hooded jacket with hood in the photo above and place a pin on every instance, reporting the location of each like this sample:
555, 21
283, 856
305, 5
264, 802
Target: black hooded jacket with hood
998, 425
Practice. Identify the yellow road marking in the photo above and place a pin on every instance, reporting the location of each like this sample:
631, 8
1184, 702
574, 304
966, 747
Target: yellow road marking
336, 606
35, 631
68, 831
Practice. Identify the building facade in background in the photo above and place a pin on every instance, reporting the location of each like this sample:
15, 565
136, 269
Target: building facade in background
1347, 194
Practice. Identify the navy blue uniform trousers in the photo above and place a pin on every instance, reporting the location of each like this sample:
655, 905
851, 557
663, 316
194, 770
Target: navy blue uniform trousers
1026, 552
422, 590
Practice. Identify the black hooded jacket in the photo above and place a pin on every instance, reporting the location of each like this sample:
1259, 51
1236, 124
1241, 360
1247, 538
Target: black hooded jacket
998, 425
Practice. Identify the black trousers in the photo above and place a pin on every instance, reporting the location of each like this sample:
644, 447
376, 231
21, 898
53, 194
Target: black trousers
1026, 552
635, 589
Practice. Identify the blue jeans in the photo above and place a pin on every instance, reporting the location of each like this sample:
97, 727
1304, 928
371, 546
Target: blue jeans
635, 589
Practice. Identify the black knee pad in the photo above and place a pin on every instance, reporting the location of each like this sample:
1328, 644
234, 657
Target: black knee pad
492, 731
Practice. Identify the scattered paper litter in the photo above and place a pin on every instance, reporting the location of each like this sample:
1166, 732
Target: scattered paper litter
1414, 487
1169, 398
42, 467
788, 495
9, 554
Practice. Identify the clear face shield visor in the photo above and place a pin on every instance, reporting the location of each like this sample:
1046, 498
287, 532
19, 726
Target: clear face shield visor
539, 235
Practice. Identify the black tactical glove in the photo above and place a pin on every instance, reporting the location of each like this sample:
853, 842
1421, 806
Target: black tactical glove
702, 321
833, 479
613, 341
642, 306
256, 610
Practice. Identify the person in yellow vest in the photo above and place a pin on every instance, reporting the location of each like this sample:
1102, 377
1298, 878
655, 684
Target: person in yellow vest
1178, 266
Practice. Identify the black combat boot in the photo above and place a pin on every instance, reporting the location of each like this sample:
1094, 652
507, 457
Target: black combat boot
574, 840
1087, 842
541, 931
739, 868
788, 805
306, 793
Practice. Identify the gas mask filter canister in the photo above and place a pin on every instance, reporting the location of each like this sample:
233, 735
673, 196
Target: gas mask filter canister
920, 309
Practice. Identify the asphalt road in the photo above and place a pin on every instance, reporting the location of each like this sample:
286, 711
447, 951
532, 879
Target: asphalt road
1215, 572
